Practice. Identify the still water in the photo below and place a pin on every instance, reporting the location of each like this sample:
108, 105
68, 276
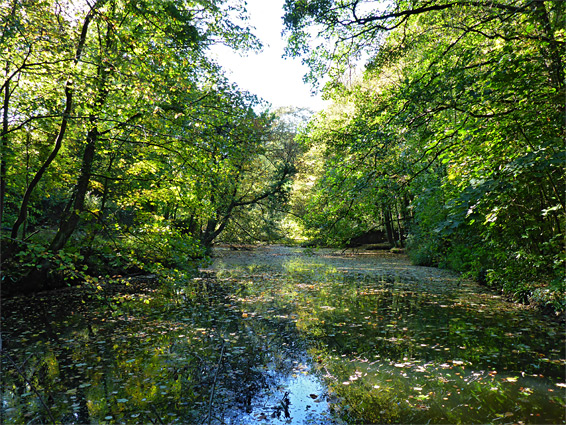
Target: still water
283, 336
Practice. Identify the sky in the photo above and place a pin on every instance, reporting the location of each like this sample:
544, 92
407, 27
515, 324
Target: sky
267, 74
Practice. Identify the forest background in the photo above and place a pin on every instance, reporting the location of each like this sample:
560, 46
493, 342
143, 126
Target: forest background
126, 150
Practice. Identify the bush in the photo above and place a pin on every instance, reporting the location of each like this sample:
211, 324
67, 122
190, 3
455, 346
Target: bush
159, 243
423, 252
530, 279
551, 297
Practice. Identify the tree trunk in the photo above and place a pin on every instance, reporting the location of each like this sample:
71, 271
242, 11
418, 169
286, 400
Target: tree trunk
4, 144
400, 225
69, 223
208, 235
388, 226
552, 51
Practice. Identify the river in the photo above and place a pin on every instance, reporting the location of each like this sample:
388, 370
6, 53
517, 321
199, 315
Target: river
281, 335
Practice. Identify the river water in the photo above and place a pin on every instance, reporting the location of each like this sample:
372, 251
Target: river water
283, 335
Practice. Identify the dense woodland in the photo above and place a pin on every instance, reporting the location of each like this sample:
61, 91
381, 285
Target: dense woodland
126, 150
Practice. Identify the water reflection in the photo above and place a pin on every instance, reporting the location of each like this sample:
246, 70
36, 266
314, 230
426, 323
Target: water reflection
278, 336
401, 344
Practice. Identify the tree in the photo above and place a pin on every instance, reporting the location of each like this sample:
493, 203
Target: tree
275, 166
232, 167
125, 66
473, 142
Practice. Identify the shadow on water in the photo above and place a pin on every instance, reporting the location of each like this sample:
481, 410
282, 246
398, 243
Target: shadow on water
283, 335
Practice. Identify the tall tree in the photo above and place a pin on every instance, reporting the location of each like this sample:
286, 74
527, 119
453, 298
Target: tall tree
97, 76
462, 107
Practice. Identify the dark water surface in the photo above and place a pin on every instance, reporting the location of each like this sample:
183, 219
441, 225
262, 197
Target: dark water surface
283, 335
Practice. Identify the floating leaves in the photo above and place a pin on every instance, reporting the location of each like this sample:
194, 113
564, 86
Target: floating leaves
384, 345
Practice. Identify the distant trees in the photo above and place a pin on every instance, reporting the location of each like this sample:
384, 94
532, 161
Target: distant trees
455, 131
262, 203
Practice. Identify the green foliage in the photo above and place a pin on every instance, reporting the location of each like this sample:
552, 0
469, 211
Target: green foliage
120, 135
261, 194
423, 252
66, 267
454, 130
158, 244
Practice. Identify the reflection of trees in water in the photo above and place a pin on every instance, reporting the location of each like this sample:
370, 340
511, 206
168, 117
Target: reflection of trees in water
222, 342
150, 362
